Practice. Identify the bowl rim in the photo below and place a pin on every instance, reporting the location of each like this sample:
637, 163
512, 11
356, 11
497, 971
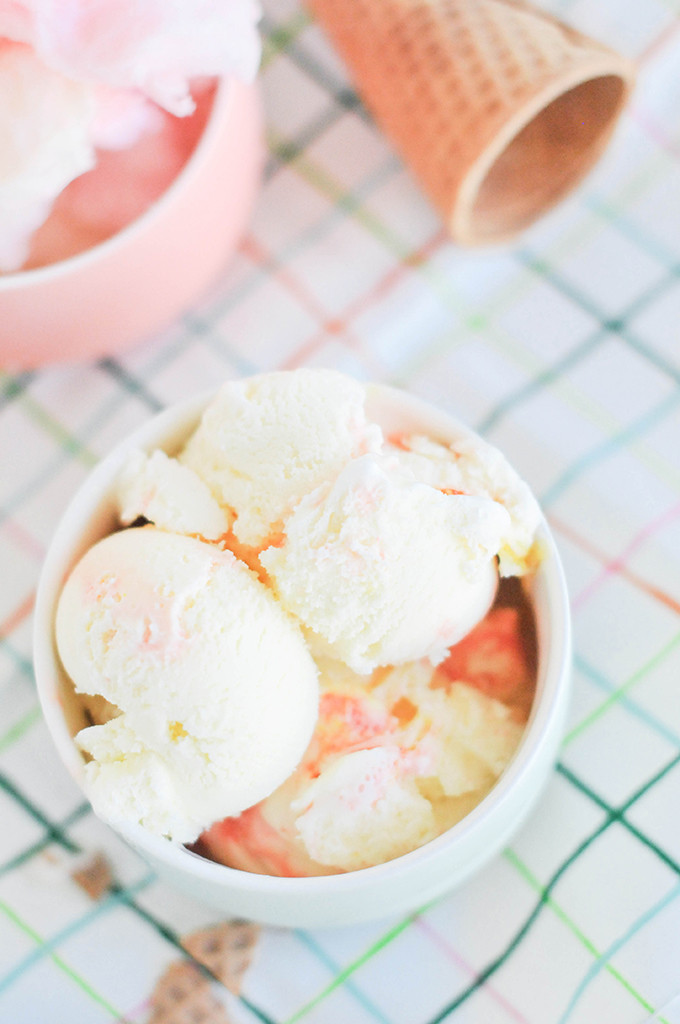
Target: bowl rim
222, 103
546, 715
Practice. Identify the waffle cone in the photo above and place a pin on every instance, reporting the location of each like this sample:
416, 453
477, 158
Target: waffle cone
182, 996
498, 108
226, 950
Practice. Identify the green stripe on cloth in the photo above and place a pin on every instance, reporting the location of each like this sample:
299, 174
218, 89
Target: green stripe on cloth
597, 712
16, 731
277, 38
565, 918
63, 966
347, 971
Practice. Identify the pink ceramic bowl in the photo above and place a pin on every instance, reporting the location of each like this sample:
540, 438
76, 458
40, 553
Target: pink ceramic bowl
120, 291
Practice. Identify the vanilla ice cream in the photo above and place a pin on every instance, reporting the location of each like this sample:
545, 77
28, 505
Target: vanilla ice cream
267, 441
293, 534
170, 495
216, 690
472, 466
382, 570
396, 758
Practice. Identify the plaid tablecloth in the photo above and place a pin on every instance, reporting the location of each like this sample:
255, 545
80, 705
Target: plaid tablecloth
563, 349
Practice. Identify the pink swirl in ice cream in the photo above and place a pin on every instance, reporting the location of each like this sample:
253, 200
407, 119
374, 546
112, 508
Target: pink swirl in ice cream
396, 758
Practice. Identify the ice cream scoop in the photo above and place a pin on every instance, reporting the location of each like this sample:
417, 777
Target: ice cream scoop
216, 691
383, 570
265, 442
470, 465
169, 495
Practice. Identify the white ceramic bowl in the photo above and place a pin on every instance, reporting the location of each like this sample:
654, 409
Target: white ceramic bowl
400, 885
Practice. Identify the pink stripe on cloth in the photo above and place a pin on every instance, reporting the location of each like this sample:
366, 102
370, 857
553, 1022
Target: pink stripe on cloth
451, 954
617, 564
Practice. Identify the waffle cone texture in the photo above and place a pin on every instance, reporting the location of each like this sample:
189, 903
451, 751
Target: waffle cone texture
498, 108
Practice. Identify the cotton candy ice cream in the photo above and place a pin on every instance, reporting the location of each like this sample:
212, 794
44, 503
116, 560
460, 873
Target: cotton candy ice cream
78, 78
216, 690
45, 125
289, 535
152, 47
140, 151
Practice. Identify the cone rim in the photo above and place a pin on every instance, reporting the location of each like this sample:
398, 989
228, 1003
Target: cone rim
461, 216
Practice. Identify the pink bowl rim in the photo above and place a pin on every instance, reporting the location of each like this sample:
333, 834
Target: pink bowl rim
223, 102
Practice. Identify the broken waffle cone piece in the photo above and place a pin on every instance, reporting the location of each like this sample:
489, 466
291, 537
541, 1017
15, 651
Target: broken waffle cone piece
182, 996
225, 949
498, 108
94, 876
